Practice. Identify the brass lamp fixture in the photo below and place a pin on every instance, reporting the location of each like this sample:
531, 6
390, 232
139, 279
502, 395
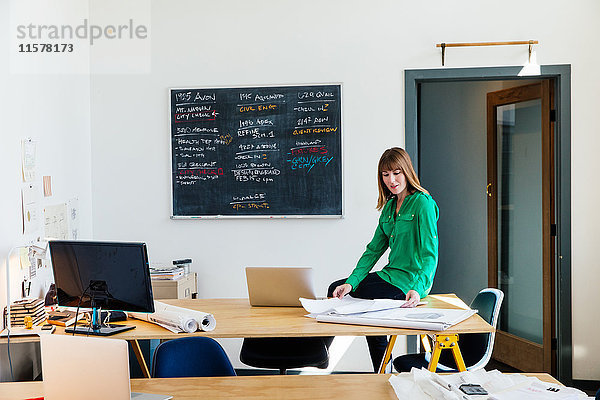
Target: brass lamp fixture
530, 43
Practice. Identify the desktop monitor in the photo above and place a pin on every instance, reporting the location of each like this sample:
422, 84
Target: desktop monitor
106, 275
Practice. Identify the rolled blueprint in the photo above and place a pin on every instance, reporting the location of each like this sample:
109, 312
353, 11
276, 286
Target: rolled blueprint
178, 319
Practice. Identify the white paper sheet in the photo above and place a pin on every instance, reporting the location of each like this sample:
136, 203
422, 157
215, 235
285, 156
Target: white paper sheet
73, 218
349, 305
405, 387
538, 390
28, 160
366, 319
425, 385
55, 221
178, 319
434, 319
427, 315
30, 206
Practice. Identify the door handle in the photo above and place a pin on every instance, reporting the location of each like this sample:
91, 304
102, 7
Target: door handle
487, 189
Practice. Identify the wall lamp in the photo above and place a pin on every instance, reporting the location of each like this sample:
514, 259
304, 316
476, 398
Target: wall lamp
519, 42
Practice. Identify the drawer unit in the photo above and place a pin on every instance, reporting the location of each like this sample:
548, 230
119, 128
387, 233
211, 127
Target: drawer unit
182, 288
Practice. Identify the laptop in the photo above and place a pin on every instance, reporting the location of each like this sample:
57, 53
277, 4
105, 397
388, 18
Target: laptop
279, 286
75, 367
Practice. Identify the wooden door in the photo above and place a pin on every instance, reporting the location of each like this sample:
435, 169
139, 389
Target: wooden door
520, 218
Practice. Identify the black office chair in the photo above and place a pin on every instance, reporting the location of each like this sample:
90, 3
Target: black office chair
191, 357
476, 348
286, 353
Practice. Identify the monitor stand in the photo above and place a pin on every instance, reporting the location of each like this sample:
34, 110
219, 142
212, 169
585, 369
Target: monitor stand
104, 330
98, 329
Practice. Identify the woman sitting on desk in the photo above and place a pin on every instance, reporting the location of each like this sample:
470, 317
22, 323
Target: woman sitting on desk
408, 226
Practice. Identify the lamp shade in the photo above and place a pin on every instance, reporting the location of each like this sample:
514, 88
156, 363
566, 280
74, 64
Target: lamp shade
531, 67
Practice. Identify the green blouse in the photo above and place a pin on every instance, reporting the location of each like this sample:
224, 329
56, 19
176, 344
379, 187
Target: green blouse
413, 241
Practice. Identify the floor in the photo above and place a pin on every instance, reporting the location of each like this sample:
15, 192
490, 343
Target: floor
493, 364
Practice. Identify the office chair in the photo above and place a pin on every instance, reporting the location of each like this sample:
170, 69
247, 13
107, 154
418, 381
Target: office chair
286, 353
191, 357
476, 348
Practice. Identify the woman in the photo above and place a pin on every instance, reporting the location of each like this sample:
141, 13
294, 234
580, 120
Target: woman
408, 226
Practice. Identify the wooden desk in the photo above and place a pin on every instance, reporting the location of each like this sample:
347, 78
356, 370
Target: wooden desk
237, 319
286, 387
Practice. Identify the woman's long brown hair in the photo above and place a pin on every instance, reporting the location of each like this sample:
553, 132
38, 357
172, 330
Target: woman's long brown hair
391, 160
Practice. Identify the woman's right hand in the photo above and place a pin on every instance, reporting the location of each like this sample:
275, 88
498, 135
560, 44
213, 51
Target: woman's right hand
342, 290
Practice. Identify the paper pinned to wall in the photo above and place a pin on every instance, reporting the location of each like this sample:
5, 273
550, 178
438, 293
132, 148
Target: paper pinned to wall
28, 159
24, 257
27, 264
47, 180
73, 218
56, 221
30, 203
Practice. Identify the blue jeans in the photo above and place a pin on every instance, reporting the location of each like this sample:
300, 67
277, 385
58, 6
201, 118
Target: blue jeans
373, 287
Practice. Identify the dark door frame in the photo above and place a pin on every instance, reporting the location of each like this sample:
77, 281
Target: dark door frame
562, 164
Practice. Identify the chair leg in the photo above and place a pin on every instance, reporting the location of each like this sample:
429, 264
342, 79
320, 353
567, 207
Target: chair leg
282, 371
388, 354
426, 343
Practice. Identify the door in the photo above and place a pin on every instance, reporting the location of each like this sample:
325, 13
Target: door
520, 219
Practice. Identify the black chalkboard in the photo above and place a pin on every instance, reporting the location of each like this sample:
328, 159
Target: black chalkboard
256, 151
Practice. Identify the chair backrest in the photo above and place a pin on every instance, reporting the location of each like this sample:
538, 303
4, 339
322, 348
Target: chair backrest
488, 302
476, 348
191, 357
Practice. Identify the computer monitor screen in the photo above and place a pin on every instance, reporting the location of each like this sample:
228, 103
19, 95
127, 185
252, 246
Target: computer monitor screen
116, 273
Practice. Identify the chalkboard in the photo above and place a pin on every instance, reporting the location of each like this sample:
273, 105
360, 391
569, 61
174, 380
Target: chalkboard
256, 151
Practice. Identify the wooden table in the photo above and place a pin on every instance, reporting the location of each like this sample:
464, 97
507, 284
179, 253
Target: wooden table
237, 319
284, 387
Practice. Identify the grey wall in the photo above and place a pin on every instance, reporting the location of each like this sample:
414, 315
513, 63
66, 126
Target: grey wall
452, 167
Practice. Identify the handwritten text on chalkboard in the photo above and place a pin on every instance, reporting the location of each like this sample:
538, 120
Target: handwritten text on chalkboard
258, 151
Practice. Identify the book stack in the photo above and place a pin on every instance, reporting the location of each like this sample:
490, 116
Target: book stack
166, 273
33, 308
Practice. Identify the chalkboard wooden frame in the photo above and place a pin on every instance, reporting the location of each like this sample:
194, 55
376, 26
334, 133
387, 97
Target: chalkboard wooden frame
334, 192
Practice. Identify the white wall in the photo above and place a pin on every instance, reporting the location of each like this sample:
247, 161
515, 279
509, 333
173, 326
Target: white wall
54, 111
365, 45
221, 44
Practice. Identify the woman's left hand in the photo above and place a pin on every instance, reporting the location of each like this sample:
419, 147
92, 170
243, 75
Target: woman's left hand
412, 299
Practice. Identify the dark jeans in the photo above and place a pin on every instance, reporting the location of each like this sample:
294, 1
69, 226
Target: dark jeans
373, 287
